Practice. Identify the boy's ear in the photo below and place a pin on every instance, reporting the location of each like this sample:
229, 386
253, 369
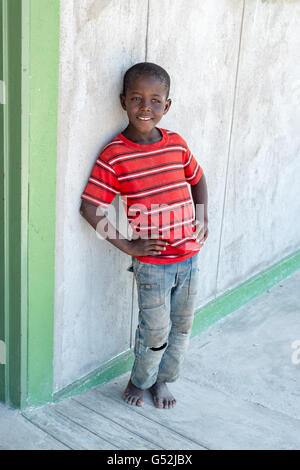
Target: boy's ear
167, 105
122, 99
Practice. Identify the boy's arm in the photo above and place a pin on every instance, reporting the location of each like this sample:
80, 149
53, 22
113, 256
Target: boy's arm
138, 247
200, 196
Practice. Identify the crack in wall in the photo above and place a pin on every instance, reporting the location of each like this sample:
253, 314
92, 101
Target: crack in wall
229, 143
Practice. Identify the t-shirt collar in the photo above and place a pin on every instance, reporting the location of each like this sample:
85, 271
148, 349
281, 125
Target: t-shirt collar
156, 145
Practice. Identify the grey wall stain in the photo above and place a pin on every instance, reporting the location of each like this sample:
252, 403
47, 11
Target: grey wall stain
96, 8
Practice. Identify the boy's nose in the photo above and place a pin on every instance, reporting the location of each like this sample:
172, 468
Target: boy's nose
145, 105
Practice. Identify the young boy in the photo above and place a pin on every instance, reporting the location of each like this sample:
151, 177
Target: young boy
150, 168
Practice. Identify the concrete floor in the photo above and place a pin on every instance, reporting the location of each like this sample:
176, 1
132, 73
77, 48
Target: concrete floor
239, 389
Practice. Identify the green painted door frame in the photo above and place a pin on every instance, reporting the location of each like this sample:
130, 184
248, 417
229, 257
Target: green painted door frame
28, 135
42, 156
11, 200
2, 315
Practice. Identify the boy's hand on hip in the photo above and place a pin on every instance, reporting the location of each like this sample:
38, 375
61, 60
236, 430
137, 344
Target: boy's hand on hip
146, 247
201, 232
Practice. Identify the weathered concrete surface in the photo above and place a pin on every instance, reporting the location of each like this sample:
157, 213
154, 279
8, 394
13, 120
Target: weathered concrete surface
198, 43
17, 433
262, 204
251, 355
99, 40
239, 389
235, 89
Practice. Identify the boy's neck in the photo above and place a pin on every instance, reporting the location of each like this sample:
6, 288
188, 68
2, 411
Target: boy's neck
142, 139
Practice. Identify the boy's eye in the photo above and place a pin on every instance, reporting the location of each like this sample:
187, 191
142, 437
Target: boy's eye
136, 98
155, 100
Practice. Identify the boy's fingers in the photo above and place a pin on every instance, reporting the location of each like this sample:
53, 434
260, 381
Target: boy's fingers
199, 232
199, 226
159, 248
154, 246
200, 238
203, 238
157, 244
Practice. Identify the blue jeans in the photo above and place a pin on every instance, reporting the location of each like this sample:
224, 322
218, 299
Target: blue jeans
166, 298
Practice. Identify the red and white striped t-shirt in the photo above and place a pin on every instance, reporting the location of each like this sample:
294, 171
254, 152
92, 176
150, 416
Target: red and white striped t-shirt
152, 181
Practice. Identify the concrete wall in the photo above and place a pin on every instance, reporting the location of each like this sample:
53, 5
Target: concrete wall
234, 66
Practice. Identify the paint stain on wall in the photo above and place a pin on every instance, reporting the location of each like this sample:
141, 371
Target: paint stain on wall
94, 11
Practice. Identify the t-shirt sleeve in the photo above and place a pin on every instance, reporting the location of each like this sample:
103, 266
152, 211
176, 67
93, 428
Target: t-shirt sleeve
192, 169
102, 185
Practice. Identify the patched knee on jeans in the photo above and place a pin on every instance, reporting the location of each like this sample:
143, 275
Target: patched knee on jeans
154, 338
161, 347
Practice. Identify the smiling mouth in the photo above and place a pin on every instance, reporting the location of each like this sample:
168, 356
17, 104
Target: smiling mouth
144, 118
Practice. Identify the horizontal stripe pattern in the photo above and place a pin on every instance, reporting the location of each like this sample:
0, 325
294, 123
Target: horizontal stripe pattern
153, 181
150, 172
139, 155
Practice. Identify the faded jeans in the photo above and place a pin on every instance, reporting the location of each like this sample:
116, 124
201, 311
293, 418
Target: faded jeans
166, 299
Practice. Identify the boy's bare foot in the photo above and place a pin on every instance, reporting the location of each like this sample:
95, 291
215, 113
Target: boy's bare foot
133, 395
162, 396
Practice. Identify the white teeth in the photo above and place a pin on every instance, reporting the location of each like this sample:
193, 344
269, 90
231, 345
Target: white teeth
144, 119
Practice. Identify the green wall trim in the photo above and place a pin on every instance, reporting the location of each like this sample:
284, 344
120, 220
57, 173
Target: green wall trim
223, 305
42, 157
113, 368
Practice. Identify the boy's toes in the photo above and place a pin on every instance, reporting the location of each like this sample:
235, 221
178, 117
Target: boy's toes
169, 403
133, 400
162, 397
158, 403
133, 395
126, 398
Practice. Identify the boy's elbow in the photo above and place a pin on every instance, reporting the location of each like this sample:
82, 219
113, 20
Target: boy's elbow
82, 209
88, 210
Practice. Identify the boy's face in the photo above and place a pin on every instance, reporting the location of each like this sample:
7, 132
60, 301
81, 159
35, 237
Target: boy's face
145, 103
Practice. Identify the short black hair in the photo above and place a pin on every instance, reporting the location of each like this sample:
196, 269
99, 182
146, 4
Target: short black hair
146, 68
